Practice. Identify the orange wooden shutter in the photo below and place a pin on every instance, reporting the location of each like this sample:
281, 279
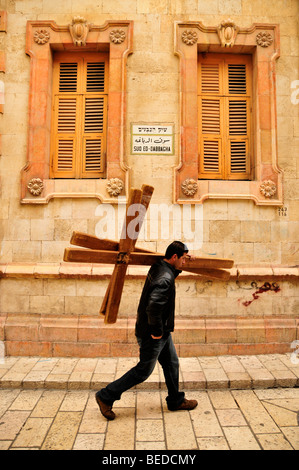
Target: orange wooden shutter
224, 116
79, 115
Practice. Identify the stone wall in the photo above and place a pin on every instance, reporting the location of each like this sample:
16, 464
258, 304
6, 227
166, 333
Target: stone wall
254, 236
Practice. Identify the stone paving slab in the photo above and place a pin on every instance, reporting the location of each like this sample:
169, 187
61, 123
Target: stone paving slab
196, 373
263, 419
244, 402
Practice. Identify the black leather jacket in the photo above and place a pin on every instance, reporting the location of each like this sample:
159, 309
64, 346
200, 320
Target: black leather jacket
157, 303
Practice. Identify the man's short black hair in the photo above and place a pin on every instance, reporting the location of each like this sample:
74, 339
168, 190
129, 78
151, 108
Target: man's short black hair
176, 248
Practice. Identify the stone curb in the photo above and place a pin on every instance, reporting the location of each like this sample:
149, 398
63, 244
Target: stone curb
196, 373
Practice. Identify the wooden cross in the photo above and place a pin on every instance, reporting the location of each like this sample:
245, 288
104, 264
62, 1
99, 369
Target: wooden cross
124, 252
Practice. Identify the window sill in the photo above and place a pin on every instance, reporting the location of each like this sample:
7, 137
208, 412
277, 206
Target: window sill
250, 190
74, 188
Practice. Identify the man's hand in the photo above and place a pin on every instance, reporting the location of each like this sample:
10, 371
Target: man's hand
156, 337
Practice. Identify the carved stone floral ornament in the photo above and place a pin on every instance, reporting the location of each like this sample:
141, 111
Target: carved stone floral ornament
35, 186
189, 187
117, 36
227, 32
264, 39
41, 36
79, 30
114, 186
268, 188
189, 37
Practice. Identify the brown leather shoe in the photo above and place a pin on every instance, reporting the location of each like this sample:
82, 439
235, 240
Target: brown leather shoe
106, 410
186, 405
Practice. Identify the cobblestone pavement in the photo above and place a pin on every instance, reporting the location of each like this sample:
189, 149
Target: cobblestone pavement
48, 403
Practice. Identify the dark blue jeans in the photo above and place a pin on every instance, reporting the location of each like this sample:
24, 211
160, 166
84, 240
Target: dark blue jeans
151, 351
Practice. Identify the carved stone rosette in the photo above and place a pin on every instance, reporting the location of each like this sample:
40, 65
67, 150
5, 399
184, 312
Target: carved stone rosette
117, 36
264, 39
189, 37
41, 36
114, 187
189, 187
268, 188
35, 186
79, 30
227, 32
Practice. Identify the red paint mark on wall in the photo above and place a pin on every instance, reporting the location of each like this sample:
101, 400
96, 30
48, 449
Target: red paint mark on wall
261, 290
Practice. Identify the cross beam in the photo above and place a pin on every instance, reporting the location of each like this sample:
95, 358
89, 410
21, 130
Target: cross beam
121, 254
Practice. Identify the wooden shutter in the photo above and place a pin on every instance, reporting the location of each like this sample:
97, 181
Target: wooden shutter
79, 119
224, 102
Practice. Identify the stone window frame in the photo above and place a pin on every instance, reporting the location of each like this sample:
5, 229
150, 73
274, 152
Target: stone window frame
42, 39
262, 42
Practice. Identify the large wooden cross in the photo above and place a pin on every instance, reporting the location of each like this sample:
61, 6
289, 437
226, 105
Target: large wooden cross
124, 252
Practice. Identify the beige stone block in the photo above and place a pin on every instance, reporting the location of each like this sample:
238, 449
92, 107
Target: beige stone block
11, 424
222, 399
290, 253
256, 415
120, 434
14, 303
267, 253
230, 7
26, 251
63, 431
60, 286
35, 379
42, 229
150, 6
84, 209
59, 209
150, 62
148, 406
21, 287
82, 305
212, 443
189, 306
179, 430
149, 430
149, 445
231, 418
5, 250
106, 365
56, 7
75, 401
204, 418
229, 231
274, 442
18, 211
26, 400
4, 208
52, 251
89, 441
18, 229
51, 304
63, 229
241, 253
91, 421
255, 231
92, 288
119, 6
241, 438
215, 210
56, 381
291, 433
291, 189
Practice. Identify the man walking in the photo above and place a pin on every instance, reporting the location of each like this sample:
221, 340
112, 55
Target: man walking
155, 322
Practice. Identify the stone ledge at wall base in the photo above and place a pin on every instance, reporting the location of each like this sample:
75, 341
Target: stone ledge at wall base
31, 327
27, 270
88, 336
